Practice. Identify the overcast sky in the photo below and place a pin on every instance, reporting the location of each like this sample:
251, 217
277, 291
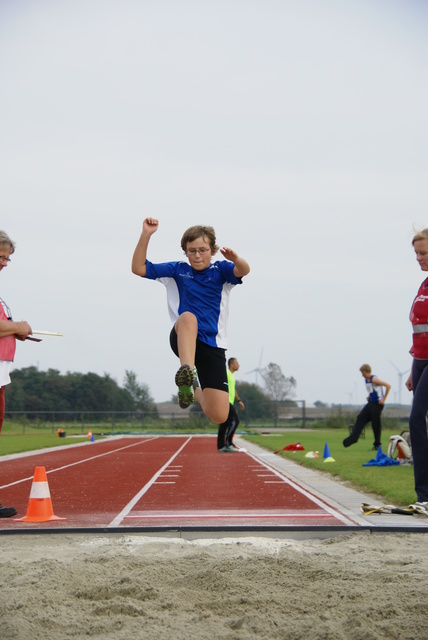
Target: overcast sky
297, 128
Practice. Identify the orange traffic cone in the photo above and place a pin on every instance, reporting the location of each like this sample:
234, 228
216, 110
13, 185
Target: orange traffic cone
40, 504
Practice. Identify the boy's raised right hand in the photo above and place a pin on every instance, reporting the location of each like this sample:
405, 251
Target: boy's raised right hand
139, 259
150, 225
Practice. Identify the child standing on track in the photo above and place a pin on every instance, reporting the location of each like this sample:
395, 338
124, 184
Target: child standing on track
198, 304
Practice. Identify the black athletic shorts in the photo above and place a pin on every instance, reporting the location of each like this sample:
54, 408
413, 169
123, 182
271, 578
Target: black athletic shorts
209, 361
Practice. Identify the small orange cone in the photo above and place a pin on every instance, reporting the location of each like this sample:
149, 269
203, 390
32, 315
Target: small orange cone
40, 504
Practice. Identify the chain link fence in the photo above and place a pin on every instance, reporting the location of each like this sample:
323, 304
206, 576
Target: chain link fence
170, 418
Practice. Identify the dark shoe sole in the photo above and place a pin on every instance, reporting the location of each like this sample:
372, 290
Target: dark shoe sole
185, 399
7, 512
184, 376
184, 382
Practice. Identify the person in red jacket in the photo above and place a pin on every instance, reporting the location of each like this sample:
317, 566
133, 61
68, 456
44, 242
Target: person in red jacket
418, 378
9, 332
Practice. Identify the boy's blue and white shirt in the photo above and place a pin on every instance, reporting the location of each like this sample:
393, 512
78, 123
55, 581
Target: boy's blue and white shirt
204, 293
375, 391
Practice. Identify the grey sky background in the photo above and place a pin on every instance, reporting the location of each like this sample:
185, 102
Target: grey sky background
298, 129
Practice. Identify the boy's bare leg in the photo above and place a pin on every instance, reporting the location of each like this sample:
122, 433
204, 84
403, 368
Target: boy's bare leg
214, 403
186, 328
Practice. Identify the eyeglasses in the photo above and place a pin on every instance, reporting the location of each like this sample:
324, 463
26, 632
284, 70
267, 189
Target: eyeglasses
193, 252
4, 259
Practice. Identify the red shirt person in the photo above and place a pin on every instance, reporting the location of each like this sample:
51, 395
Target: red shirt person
418, 378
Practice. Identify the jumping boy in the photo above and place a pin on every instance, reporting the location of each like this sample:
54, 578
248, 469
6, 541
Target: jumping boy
198, 304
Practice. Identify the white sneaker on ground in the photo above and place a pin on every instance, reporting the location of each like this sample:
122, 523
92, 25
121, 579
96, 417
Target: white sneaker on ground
420, 507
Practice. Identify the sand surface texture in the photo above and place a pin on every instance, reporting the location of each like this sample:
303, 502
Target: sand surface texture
355, 587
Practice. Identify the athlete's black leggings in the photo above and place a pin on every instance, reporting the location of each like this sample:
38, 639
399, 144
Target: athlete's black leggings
226, 430
370, 413
418, 428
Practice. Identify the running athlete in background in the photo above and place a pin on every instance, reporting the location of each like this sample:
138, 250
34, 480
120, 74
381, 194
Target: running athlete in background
227, 429
198, 304
371, 412
418, 379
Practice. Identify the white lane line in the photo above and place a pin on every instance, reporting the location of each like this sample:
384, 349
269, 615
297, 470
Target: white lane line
323, 505
172, 515
73, 464
124, 513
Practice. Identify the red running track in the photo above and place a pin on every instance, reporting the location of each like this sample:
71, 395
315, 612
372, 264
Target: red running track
155, 483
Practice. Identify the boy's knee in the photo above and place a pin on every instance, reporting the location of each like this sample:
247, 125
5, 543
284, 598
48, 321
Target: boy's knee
187, 318
217, 417
223, 417
220, 414
216, 411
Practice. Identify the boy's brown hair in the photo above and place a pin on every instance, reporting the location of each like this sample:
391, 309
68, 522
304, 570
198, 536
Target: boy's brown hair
199, 231
365, 368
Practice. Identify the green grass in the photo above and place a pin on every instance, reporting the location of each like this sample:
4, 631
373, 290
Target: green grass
192, 424
394, 485
30, 442
18, 438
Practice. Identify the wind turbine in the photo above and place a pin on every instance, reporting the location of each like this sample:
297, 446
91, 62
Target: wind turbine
351, 397
257, 370
400, 377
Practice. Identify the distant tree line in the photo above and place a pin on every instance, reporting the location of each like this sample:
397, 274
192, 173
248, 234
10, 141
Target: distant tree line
34, 390
50, 391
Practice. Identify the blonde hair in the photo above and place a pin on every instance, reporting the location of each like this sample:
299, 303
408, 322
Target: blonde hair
420, 235
199, 231
365, 368
5, 241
